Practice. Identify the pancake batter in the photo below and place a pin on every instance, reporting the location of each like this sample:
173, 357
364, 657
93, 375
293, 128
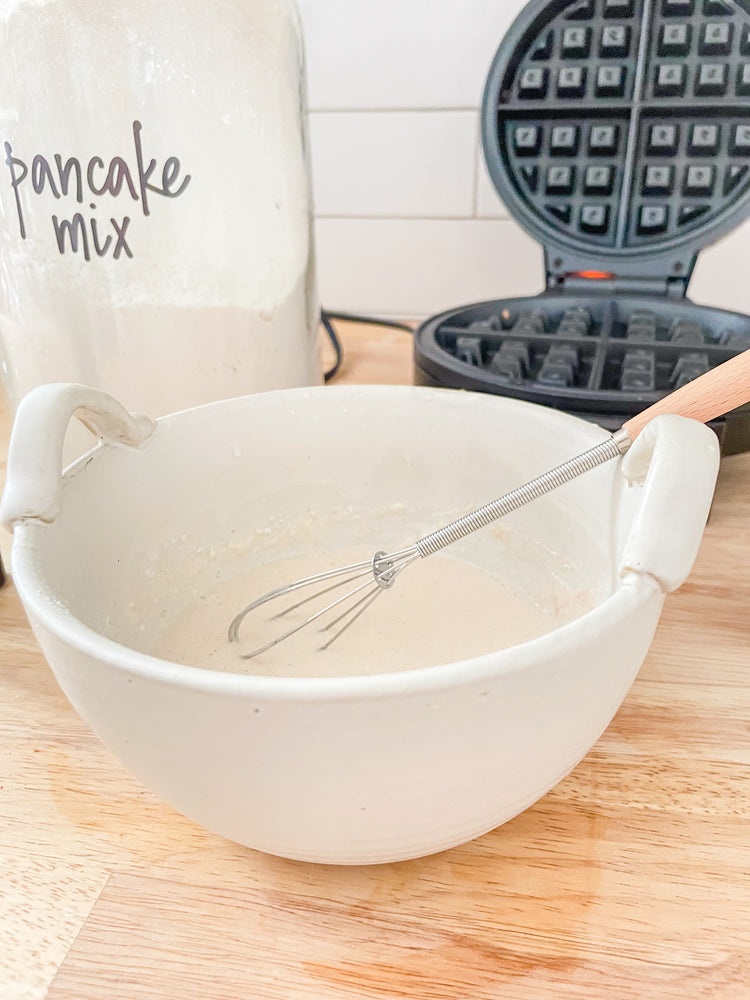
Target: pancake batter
440, 610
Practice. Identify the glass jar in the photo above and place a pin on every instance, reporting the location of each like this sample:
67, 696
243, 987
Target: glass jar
156, 232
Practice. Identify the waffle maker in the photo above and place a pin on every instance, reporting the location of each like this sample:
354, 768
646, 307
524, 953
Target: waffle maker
617, 132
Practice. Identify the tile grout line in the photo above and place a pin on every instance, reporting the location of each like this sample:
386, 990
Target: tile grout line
474, 109
412, 218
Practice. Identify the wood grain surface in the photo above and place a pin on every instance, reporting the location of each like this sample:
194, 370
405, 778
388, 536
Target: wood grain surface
630, 880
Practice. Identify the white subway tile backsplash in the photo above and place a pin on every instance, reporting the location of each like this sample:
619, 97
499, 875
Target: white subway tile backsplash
418, 267
394, 163
375, 54
722, 277
489, 204
394, 89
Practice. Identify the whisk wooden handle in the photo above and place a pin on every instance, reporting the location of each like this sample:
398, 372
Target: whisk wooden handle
711, 395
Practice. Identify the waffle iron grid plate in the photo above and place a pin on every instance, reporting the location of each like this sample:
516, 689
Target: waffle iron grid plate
617, 132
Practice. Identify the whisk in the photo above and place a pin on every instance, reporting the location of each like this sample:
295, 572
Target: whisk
711, 395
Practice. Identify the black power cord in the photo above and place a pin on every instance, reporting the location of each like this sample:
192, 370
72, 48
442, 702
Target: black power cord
325, 319
335, 343
372, 320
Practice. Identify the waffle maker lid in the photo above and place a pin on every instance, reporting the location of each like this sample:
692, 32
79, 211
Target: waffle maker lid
617, 133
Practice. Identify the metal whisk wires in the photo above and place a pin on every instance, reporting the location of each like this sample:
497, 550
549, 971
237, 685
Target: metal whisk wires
380, 573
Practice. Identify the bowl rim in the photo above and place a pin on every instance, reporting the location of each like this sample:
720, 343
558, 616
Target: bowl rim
47, 610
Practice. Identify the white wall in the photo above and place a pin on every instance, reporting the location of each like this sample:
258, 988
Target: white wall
407, 221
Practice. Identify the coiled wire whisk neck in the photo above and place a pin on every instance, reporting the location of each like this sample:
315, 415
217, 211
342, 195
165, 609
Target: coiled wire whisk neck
613, 447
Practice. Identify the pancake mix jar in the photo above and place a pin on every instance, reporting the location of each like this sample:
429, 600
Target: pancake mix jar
155, 200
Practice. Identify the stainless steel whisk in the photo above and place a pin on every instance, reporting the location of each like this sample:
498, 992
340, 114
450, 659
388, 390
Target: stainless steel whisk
709, 396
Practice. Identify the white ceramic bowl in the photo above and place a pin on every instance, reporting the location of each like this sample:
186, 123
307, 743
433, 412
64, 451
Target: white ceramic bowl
358, 769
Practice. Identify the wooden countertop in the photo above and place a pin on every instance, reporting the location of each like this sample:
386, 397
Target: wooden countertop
629, 881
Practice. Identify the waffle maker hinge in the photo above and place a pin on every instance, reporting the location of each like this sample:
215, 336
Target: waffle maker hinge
585, 283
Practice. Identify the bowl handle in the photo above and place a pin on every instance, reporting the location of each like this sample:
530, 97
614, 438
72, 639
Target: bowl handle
677, 461
34, 479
